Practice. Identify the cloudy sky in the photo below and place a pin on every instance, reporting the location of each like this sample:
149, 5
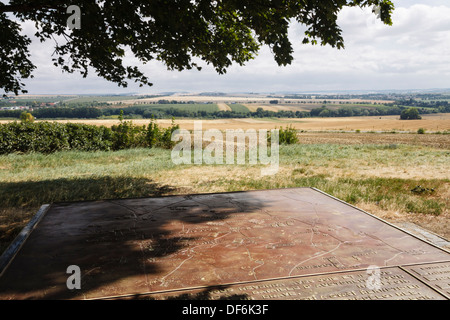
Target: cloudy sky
414, 53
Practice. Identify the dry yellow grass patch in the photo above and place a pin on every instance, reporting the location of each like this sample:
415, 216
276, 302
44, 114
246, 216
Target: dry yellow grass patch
223, 107
354, 170
431, 140
252, 107
436, 122
275, 108
202, 178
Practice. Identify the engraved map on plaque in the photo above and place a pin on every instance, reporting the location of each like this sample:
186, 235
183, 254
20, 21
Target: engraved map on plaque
270, 244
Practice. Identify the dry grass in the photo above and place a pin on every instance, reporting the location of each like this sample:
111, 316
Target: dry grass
269, 107
223, 107
434, 122
436, 224
431, 140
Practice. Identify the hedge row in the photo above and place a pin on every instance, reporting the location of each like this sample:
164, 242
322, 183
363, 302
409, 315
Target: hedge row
48, 137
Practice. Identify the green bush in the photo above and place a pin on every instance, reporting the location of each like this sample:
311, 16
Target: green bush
126, 135
48, 137
26, 117
156, 137
288, 135
89, 138
421, 131
410, 114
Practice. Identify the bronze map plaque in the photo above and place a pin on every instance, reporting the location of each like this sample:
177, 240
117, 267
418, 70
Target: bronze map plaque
297, 243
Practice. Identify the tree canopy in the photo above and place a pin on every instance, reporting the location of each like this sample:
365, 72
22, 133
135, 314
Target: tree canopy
172, 31
410, 114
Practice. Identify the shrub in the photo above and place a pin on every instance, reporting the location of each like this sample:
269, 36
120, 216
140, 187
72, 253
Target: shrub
421, 131
48, 137
26, 117
288, 135
410, 114
89, 138
126, 135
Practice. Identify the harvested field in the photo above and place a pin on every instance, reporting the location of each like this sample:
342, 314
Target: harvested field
269, 107
223, 107
430, 140
431, 123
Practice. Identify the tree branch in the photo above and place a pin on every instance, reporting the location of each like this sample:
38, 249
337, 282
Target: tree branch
29, 7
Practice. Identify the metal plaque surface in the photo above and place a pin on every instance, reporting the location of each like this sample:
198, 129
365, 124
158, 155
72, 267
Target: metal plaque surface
436, 275
395, 284
151, 246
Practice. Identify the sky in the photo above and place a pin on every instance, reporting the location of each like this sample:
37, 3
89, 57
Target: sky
413, 53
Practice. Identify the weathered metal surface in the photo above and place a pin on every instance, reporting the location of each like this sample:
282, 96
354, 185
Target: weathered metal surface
138, 246
436, 275
395, 284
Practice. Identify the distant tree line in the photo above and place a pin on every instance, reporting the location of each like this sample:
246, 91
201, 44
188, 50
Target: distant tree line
165, 101
85, 104
148, 112
161, 113
59, 112
37, 104
442, 106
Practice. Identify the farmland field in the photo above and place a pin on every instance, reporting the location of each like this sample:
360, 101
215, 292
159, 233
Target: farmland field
190, 107
430, 122
239, 98
237, 107
223, 107
307, 106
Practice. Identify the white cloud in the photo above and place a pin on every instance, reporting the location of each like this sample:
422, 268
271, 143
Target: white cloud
413, 53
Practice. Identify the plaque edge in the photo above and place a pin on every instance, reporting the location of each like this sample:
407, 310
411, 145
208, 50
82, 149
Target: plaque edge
14, 247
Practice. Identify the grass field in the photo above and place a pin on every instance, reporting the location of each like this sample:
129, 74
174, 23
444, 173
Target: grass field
376, 173
237, 107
